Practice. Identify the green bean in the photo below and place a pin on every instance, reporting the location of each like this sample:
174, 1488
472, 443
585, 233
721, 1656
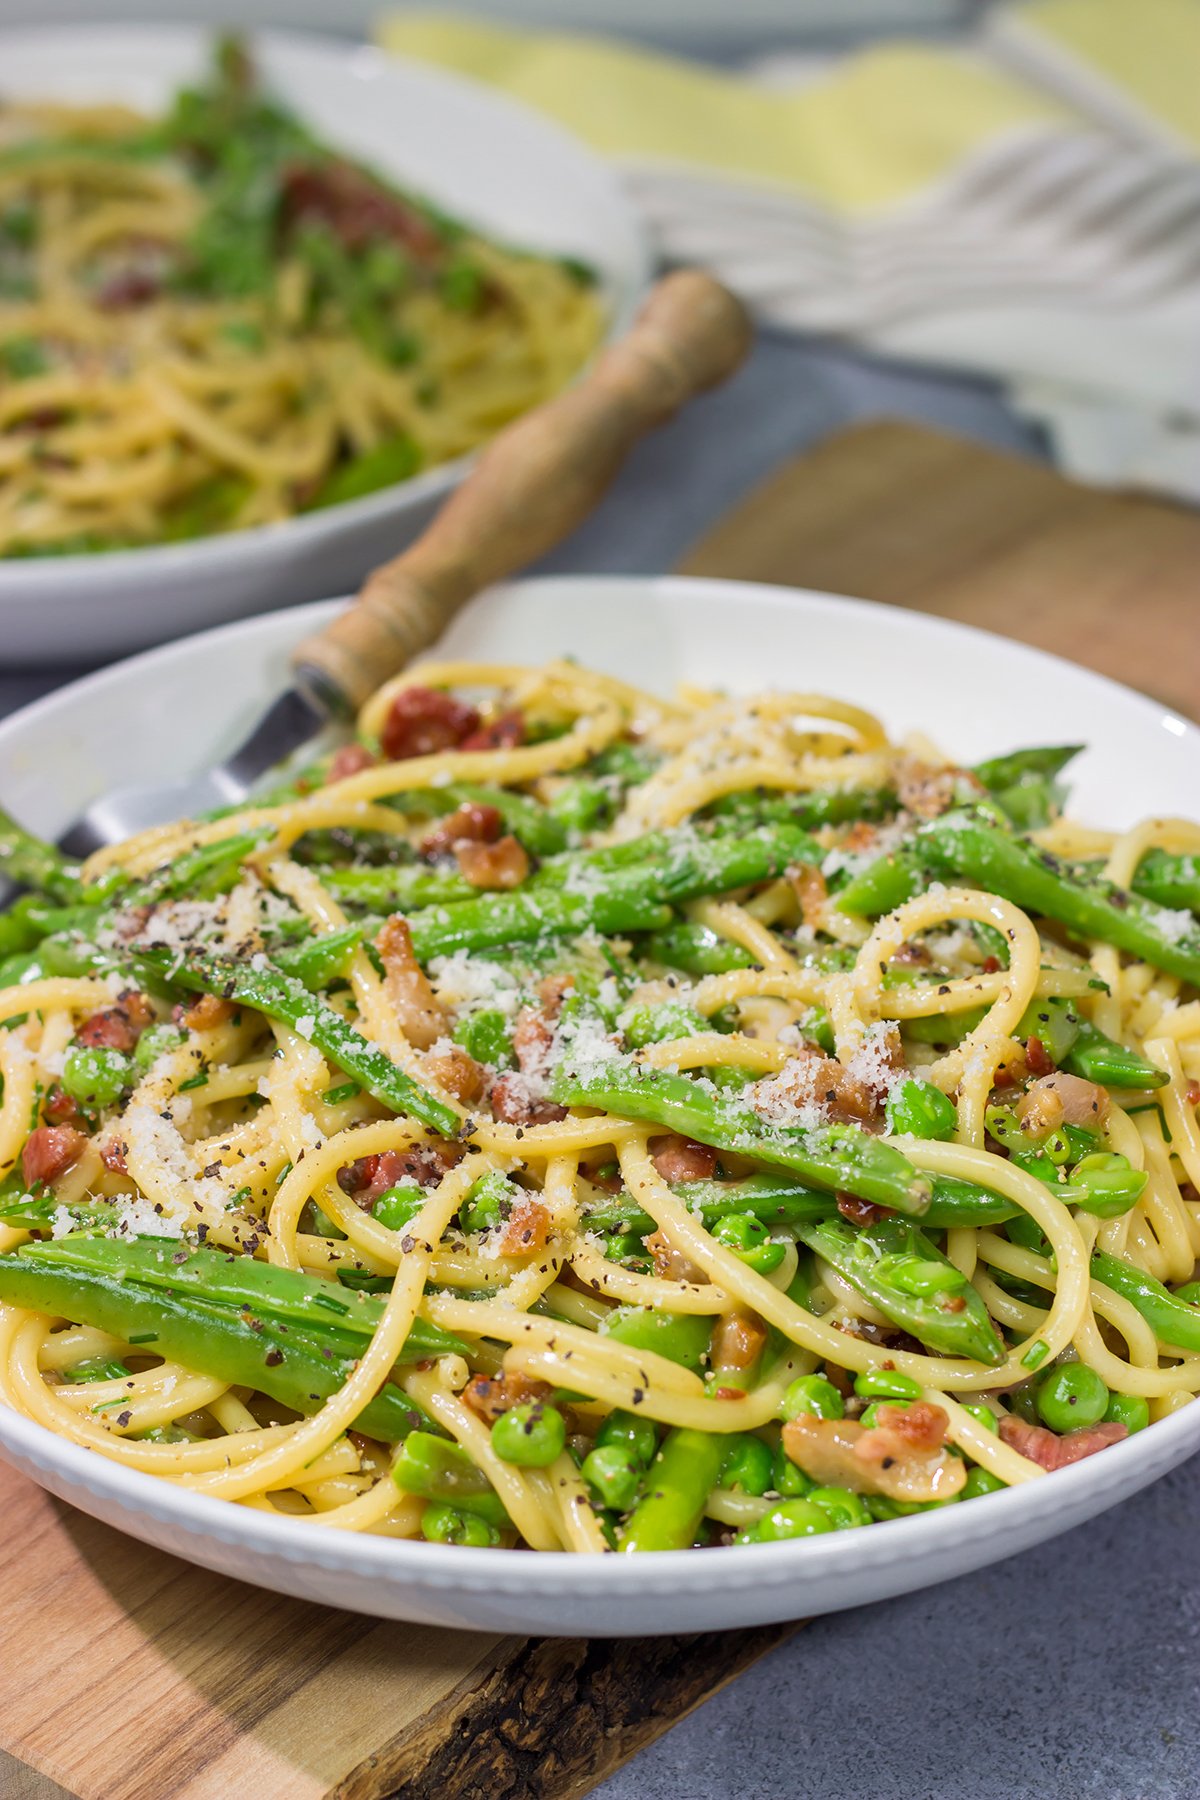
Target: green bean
810, 809
384, 464
963, 844
905, 1276
398, 886
282, 997
696, 949
681, 1337
207, 869
1099, 1058
285, 1295
434, 1468
1172, 1319
681, 1477
1169, 879
834, 1156
291, 1364
324, 957
30, 862
883, 885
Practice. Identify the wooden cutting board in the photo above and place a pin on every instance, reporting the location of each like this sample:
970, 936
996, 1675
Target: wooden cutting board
127, 1675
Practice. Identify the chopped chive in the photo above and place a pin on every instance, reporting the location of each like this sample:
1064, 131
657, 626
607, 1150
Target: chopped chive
283, 1174
1036, 1354
144, 1337
243, 1194
337, 1306
194, 1081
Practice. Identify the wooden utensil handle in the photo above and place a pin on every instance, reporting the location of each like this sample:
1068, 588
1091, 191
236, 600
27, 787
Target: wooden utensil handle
538, 479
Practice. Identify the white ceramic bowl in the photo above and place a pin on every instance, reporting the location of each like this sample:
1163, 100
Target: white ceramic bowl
481, 156
978, 695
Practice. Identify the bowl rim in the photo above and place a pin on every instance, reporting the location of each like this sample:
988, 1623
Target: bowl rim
46, 575
450, 1569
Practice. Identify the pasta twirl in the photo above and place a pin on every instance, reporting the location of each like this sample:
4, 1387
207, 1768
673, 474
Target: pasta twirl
212, 320
582, 1120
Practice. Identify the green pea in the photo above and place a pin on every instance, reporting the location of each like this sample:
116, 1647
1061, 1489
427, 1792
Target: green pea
984, 1414
921, 1110
530, 1435
614, 1474
844, 1508
487, 1202
787, 1480
1110, 1184
1069, 1395
886, 1384
811, 1394
156, 1042
749, 1240
486, 1036
95, 1075
447, 1525
748, 1466
921, 1276
626, 1244
1129, 1410
681, 1337
868, 1418
398, 1206
981, 1481
792, 1519
639, 1436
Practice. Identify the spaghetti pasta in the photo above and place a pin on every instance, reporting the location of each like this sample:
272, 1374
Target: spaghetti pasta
585, 1121
212, 320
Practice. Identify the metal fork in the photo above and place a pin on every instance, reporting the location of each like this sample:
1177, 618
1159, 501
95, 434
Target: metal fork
539, 478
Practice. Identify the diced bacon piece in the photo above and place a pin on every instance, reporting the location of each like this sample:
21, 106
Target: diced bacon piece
861, 835
884, 1460
127, 289
458, 1073
526, 1227
59, 1108
1191, 1093
1059, 1099
1052, 1452
669, 1263
532, 1038
355, 208
898, 1429
503, 733
422, 721
503, 864
682, 1159
514, 1104
927, 791
351, 759
808, 884
112, 1154
490, 1395
117, 1027
552, 990
370, 1176
414, 1002
861, 1212
206, 1013
1038, 1059
738, 1340
49, 1152
470, 823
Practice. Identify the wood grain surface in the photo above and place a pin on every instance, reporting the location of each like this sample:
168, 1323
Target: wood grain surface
892, 512
159, 1681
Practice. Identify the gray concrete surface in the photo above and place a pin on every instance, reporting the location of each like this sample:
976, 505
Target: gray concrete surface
1070, 1672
